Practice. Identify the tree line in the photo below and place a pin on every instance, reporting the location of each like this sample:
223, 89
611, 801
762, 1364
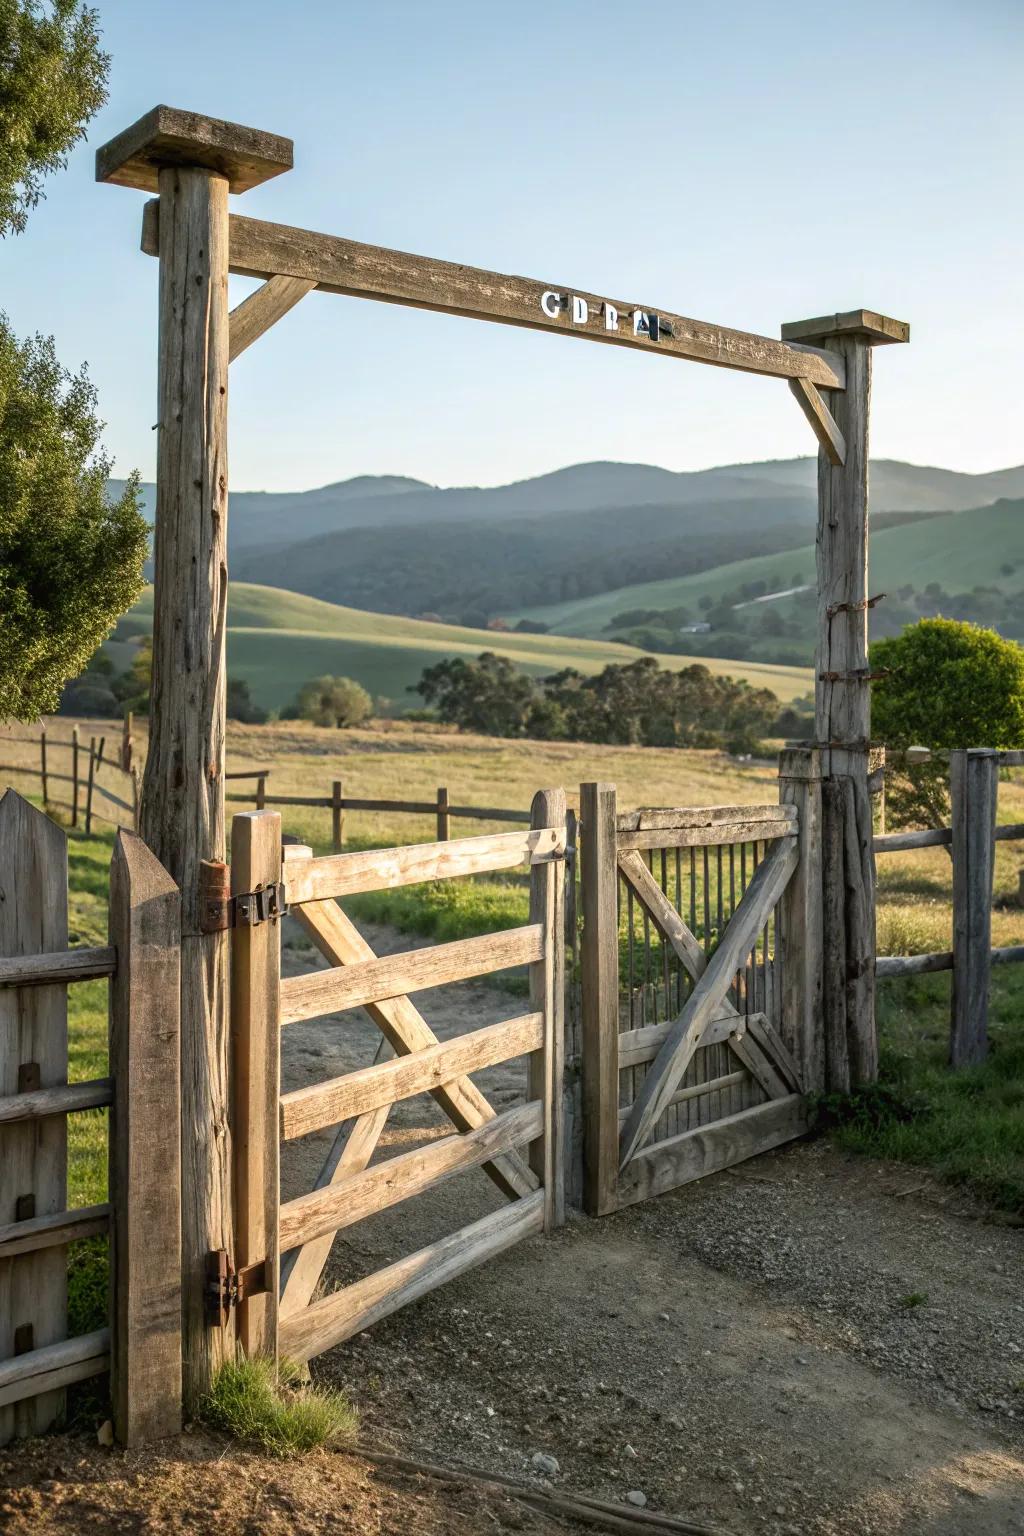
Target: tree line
635, 704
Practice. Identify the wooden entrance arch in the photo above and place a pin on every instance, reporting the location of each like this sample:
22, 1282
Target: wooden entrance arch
193, 163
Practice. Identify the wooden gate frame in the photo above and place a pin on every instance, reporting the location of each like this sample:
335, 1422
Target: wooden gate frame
194, 162
274, 1298
619, 1166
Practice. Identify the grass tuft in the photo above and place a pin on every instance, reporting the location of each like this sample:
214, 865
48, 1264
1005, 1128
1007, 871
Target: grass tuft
271, 1407
913, 1299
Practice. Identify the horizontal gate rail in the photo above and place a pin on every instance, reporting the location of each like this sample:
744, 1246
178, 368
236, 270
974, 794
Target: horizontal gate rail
336, 1318
341, 1098
414, 970
410, 1173
695, 1154
348, 874
637, 1046
53, 1231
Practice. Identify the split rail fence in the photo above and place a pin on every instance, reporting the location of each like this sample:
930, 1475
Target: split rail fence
282, 1248
141, 1347
970, 839
338, 803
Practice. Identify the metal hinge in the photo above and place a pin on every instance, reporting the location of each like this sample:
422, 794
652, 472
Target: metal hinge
219, 910
226, 1287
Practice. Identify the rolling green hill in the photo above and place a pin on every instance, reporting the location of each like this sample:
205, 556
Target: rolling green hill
277, 640
958, 551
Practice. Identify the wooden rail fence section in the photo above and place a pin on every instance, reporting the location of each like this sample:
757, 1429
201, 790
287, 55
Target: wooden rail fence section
141, 1348
717, 1078
288, 1244
971, 840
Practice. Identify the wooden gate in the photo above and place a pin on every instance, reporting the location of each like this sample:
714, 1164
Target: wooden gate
283, 1248
688, 1013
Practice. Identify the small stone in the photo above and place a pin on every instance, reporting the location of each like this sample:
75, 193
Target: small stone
635, 1497
490, 1413
548, 1465
664, 1316
105, 1433
629, 1450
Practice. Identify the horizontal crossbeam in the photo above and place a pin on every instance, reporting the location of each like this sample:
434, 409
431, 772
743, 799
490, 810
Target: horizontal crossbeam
310, 1108
400, 1178
337, 265
373, 981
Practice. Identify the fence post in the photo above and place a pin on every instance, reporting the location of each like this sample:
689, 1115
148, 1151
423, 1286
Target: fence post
800, 913
256, 1036
127, 744
135, 796
547, 996
444, 821
573, 1036
145, 1146
599, 966
33, 1054
261, 791
42, 766
337, 817
974, 788
74, 775
95, 761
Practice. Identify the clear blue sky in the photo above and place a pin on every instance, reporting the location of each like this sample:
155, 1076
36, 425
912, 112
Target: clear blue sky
734, 161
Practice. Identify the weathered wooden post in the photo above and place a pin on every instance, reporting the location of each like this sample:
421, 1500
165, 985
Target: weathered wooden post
800, 912
599, 964
74, 775
193, 162
974, 791
444, 821
337, 817
842, 694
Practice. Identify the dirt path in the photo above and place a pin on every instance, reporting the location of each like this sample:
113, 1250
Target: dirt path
804, 1344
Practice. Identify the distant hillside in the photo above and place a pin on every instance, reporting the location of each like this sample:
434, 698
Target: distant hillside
277, 640
977, 548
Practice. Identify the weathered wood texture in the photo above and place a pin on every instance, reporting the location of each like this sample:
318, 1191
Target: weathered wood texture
405, 1028
255, 1029
341, 1098
337, 1317
709, 992
974, 788
262, 309
383, 869
337, 265
42, 1374
547, 995
414, 970
145, 1146
33, 1055
409, 1173
820, 418
182, 813
800, 920
53, 1231
599, 965
695, 1154
166, 136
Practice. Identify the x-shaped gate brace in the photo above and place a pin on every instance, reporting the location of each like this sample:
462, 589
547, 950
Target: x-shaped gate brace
752, 1039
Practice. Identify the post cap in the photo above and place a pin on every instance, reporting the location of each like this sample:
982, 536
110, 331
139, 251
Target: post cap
167, 136
876, 329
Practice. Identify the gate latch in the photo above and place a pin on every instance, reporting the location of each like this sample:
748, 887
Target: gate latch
226, 1287
219, 910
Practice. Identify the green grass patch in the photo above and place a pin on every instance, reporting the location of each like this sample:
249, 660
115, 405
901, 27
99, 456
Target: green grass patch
274, 1409
967, 1126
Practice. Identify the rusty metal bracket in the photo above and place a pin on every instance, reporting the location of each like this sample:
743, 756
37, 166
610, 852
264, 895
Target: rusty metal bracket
858, 675
226, 1287
866, 602
219, 910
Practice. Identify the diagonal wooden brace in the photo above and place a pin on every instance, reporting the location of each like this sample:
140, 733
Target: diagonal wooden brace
669, 1066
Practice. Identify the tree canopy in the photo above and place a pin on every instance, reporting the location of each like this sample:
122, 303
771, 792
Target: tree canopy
947, 684
54, 78
70, 560
332, 701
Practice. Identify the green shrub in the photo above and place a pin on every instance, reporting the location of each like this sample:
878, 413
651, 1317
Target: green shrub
273, 1408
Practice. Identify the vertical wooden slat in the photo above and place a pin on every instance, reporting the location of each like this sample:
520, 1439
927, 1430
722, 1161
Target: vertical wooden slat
95, 759
800, 920
33, 1054
256, 1035
261, 791
145, 1146
127, 742
74, 775
573, 1024
600, 969
974, 787
444, 821
337, 817
547, 994
42, 766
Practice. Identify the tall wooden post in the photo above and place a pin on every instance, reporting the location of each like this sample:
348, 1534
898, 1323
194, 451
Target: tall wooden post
843, 697
974, 791
599, 964
194, 162
800, 912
